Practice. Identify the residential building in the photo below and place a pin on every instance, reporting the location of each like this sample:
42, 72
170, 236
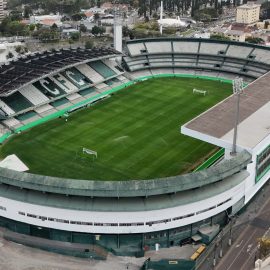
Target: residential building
3, 4
248, 13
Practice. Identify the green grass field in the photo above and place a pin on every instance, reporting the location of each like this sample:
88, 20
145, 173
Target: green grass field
136, 133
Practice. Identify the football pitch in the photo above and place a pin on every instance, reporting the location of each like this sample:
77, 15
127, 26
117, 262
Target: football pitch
135, 132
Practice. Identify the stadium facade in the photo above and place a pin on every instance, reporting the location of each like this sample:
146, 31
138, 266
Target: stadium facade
130, 217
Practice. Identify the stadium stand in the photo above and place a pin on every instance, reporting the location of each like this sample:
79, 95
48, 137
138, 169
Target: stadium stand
136, 49
49, 88
74, 98
69, 81
102, 69
260, 55
12, 123
112, 65
33, 95
212, 48
239, 51
185, 47
76, 77
102, 87
162, 71
158, 47
62, 82
87, 91
45, 108
189, 55
31, 67
90, 73
6, 108
28, 117
17, 102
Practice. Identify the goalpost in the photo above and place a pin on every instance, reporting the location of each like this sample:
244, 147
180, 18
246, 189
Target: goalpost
89, 152
199, 91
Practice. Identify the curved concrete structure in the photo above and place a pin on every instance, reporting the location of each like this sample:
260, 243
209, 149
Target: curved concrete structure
127, 217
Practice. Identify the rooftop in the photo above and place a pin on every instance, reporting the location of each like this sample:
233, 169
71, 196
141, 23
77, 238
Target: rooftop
30, 68
249, 5
218, 122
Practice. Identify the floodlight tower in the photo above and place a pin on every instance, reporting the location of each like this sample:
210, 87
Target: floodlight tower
237, 90
117, 31
161, 17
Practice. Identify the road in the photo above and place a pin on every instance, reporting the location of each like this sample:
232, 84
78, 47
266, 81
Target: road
244, 251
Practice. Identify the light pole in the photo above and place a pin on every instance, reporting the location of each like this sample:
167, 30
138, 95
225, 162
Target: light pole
237, 90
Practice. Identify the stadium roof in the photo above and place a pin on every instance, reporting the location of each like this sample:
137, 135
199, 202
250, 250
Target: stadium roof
32, 67
132, 188
218, 122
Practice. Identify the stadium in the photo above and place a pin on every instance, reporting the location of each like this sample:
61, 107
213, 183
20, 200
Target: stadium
122, 151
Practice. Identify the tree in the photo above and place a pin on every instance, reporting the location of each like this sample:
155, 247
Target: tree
10, 55
32, 27
102, 30
95, 30
47, 35
18, 49
89, 44
77, 17
255, 40
27, 12
15, 15
98, 30
96, 17
16, 28
219, 37
125, 31
54, 27
75, 36
83, 28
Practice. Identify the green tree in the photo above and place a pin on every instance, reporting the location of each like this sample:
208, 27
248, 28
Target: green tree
27, 12
255, 40
75, 36
47, 35
89, 44
32, 27
96, 17
126, 31
54, 27
83, 28
98, 30
95, 30
219, 37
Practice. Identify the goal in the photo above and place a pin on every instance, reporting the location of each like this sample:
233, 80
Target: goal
199, 91
89, 152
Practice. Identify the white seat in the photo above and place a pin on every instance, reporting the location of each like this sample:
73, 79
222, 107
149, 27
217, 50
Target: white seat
33, 95
6, 108
11, 122
44, 108
62, 82
74, 96
90, 73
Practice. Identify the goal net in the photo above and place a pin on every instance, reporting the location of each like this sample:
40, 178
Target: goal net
199, 91
89, 152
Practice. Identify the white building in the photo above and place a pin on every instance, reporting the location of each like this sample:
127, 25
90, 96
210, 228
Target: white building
46, 20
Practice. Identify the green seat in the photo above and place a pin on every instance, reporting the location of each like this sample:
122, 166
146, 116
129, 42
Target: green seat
102, 69
17, 102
